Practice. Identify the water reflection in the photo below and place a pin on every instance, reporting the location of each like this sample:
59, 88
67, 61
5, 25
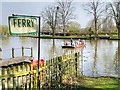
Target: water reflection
118, 62
94, 73
81, 62
99, 58
53, 49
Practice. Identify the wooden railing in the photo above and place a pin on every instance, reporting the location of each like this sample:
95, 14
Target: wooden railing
22, 50
51, 75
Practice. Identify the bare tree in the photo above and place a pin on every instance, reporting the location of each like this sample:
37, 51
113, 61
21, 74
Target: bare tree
65, 12
49, 16
107, 25
73, 27
114, 12
96, 9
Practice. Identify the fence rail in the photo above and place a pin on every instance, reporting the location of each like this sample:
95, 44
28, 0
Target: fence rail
53, 73
22, 51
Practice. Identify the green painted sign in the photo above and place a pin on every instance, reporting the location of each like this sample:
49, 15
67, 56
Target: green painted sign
22, 25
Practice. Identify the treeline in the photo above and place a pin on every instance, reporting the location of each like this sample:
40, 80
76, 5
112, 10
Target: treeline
76, 30
80, 32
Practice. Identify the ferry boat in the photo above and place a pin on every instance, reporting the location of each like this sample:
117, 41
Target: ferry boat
74, 46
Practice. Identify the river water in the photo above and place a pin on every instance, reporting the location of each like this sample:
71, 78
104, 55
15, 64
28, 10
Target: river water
98, 58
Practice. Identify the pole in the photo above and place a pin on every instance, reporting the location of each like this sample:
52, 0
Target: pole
39, 55
0, 53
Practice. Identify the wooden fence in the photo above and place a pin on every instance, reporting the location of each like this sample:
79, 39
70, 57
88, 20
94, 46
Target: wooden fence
54, 72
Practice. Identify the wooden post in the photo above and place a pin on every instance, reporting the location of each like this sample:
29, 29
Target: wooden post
14, 78
18, 77
27, 76
46, 71
60, 69
31, 78
22, 51
49, 71
35, 80
8, 80
76, 62
12, 52
56, 66
23, 79
23, 67
3, 80
31, 52
0, 54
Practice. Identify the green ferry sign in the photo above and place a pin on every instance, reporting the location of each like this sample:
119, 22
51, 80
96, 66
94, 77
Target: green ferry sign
22, 25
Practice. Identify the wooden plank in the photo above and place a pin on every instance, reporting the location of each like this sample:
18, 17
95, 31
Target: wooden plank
60, 69
14, 78
23, 77
11, 61
31, 79
19, 77
3, 80
8, 79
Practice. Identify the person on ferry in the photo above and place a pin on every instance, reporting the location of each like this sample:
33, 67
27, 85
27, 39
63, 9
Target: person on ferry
66, 43
79, 41
83, 42
71, 41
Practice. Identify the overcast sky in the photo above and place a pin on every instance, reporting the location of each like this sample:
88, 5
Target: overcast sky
34, 7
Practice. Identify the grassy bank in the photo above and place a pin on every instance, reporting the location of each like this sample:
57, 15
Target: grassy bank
89, 83
114, 37
65, 37
87, 37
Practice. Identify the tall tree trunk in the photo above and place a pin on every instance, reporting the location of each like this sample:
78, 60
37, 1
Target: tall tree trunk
64, 30
53, 31
95, 29
64, 27
118, 27
95, 26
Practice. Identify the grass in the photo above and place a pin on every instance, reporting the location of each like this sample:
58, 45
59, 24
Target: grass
101, 83
65, 37
113, 37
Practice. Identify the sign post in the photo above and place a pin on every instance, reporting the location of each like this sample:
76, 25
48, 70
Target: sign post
24, 24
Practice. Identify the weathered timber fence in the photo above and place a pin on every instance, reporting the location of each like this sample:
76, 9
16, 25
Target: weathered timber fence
53, 74
12, 69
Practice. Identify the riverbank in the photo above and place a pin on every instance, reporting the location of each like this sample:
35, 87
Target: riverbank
87, 37
89, 83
